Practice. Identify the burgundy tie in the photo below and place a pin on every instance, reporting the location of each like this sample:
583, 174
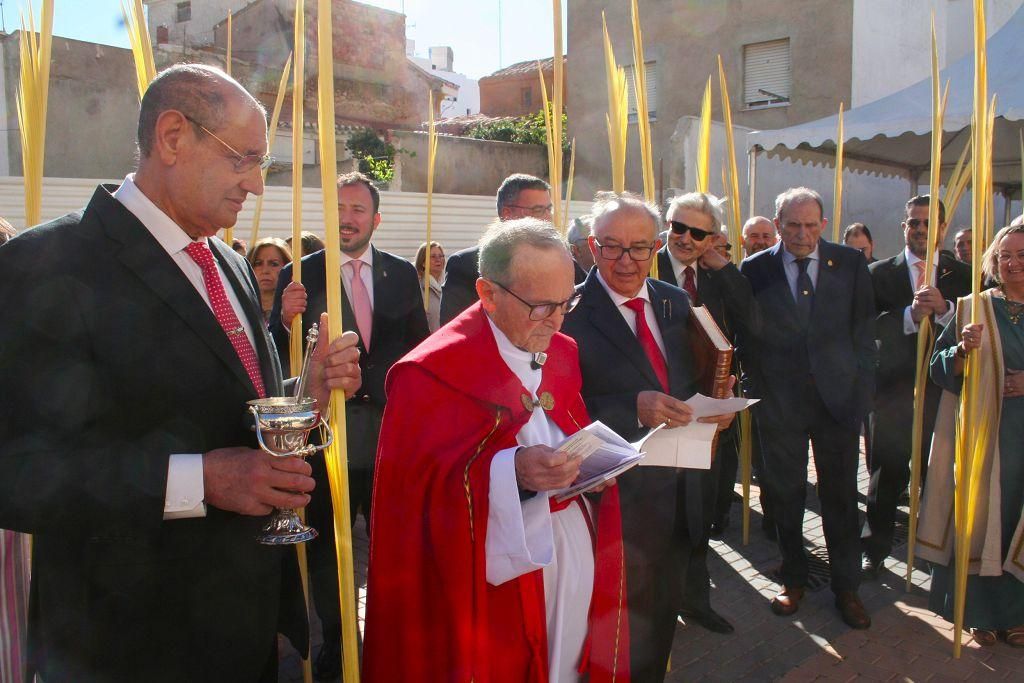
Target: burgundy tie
690, 284
646, 339
203, 257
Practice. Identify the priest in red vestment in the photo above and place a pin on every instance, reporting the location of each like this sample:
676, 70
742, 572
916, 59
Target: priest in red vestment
475, 573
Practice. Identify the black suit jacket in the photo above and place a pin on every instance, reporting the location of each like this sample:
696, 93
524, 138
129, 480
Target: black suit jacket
458, 292
615, 370
110, 361
725, 292
399, 324
838, 351
890, 279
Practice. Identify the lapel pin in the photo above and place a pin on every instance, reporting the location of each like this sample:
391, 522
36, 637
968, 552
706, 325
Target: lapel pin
830, 264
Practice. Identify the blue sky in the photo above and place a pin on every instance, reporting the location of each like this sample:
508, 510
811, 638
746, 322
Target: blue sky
469, 27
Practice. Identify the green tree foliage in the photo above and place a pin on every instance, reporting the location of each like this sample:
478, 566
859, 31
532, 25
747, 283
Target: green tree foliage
376, 157
526, 130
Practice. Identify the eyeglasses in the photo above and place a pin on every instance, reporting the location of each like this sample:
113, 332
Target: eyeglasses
243, 162
546, 310
537, 211
613, 252
915, 223
695, 233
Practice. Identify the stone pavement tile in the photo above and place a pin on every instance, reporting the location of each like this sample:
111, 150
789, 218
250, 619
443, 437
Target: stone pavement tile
906, 642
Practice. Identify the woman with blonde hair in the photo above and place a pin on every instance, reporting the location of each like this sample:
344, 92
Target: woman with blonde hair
995, 586
436, 276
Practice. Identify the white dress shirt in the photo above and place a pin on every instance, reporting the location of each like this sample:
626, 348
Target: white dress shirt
793, 270
677, 270
629, 316
909, 326
185, 492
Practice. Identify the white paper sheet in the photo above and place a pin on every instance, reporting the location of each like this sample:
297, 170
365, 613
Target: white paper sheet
688, 447
705, 406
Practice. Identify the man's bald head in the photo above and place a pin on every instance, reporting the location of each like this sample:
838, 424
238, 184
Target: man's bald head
201, 92
758, 234
608, 206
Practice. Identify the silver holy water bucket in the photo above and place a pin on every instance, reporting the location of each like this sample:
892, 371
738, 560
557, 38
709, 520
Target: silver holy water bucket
282, 425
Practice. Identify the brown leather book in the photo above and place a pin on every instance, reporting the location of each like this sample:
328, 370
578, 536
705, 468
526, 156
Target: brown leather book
712, 354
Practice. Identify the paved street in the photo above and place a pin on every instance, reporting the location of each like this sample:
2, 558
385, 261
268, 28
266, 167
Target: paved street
906, 642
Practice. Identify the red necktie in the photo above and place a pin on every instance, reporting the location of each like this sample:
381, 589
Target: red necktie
646, 339
203, 257
689, 284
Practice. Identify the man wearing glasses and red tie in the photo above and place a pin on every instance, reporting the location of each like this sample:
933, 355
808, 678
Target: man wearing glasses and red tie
637, 372
133, 339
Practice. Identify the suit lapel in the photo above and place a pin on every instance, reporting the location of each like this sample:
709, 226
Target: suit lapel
607, 320
672, 335
901, 275
381, 291
825, 289
779, 281
665, 272
143, 255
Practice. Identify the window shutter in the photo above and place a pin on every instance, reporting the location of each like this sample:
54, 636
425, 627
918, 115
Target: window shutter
767, 69
651, 73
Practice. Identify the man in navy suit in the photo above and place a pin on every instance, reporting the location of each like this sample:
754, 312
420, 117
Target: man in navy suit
383, 300
903, 300
711, 280
132, 340
519, 196
812, 362
637, 371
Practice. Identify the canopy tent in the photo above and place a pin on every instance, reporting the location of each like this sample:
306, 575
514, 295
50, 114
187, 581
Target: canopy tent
892, 135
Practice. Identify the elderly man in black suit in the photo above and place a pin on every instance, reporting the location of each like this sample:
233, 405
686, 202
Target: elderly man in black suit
383, 300
903, 300
637, 371
519, 196
812, 364
132, 340
710, 280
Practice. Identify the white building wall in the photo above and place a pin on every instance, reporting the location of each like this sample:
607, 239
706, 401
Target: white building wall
469, 90
892, 40
458, 220
197, 31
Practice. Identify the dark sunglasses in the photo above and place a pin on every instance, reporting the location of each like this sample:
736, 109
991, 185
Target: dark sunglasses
915, 223
695, 233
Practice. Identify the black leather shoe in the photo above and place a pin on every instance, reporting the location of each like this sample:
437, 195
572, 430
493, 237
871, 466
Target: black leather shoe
327, 666
870, 569
708, 618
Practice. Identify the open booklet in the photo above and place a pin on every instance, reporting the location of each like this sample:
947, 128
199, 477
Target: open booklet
605, 456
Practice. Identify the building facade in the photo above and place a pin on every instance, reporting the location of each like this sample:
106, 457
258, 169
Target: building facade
515, 90
786, 62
